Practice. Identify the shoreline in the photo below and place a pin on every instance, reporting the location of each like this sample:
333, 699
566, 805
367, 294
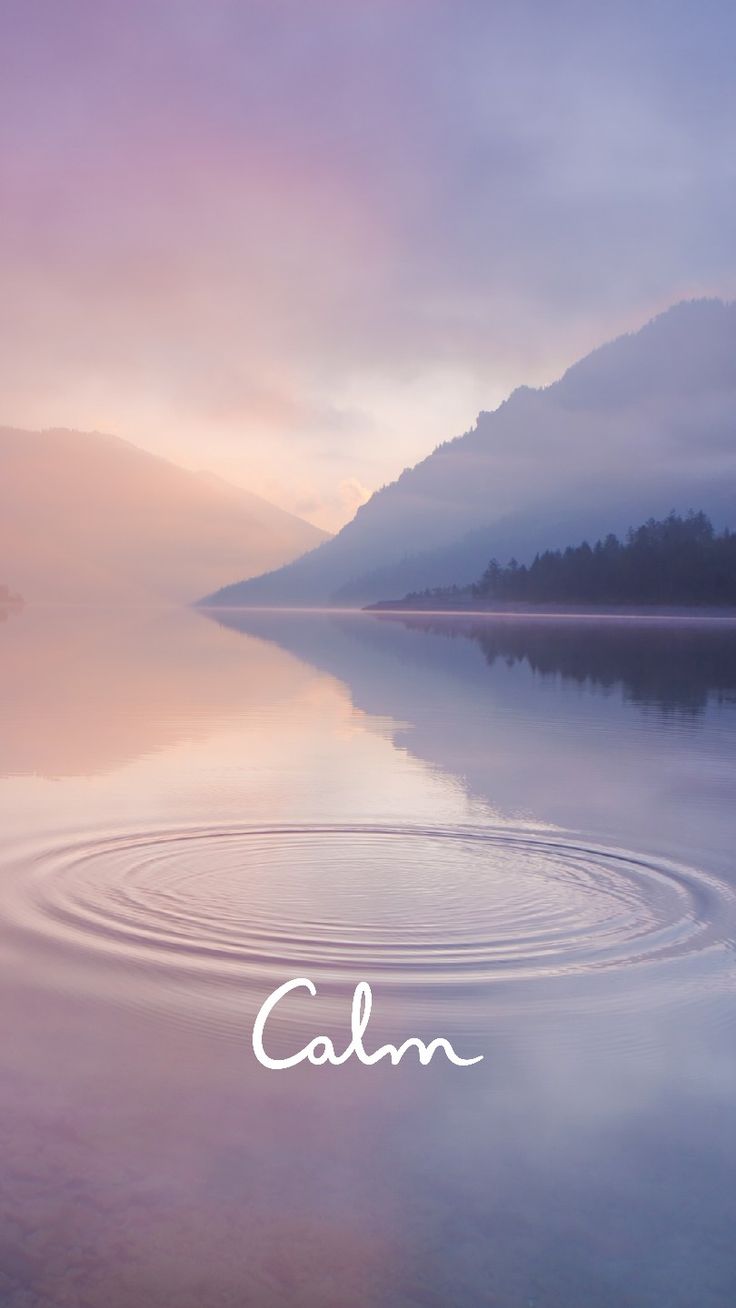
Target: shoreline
651, 612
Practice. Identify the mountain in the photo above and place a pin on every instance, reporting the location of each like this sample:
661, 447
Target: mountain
89, 517
678, 562
641, 426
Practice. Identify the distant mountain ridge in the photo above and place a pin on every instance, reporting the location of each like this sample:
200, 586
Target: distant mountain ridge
642, 425
87, 517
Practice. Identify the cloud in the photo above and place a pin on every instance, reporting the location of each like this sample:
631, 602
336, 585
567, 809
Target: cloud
333, 507
225, 222
353, 493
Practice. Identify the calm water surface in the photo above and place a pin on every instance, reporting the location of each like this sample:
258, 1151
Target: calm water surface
520, 831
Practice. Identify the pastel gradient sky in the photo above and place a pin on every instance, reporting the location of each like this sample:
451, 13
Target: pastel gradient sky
300, 243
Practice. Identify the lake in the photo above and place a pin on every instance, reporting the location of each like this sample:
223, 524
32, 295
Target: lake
518, 830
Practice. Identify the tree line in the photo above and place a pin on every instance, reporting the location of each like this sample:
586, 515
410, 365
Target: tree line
672, 667
678, 560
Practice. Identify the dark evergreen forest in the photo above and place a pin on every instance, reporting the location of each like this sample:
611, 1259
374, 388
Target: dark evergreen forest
678, 560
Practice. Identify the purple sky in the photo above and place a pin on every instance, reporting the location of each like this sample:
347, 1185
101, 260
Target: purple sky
300, 243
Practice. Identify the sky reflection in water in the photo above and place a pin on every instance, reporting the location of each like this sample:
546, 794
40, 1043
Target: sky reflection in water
519, 832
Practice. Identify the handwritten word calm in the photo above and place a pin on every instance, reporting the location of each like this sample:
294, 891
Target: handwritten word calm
321, 1050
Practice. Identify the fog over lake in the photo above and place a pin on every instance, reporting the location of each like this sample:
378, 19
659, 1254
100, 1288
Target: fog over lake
518, 830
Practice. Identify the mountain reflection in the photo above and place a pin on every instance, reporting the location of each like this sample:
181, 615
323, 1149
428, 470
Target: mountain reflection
585, 724
673, 665
85, 690
669, 665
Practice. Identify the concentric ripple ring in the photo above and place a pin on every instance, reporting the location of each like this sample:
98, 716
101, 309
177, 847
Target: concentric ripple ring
402, 905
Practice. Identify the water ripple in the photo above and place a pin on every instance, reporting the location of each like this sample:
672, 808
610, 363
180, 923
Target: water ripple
403, 906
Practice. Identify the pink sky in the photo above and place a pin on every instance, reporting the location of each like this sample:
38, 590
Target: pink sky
301, 244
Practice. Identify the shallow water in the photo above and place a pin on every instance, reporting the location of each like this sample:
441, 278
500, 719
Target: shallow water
519, 830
